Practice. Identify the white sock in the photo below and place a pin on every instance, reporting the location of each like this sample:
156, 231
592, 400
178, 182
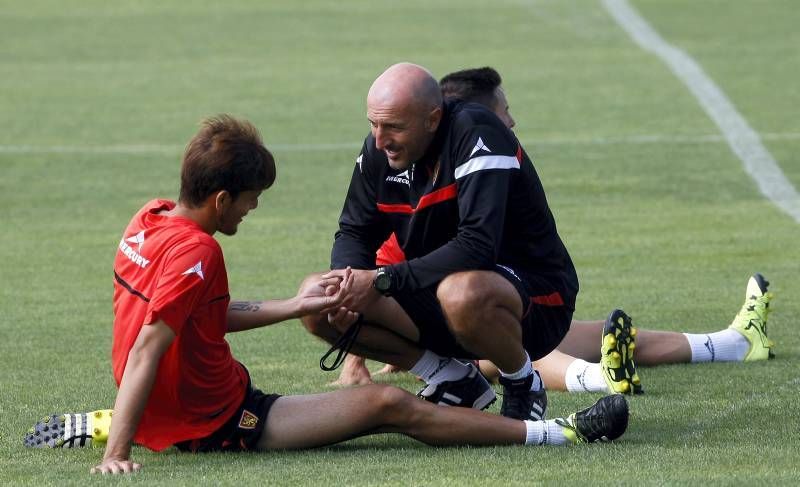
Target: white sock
544, 433
722, 346
435, 369
524, 372
582, 376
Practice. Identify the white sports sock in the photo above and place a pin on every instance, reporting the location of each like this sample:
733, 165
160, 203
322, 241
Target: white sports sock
435, 369
525, 371
544, 433
722, 346
582, 376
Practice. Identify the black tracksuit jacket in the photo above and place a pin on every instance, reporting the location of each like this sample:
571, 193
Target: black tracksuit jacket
472, 201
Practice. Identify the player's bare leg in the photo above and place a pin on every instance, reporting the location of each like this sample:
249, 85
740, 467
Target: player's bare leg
652, 347
322, 419
309, 421
662, 347
582, 340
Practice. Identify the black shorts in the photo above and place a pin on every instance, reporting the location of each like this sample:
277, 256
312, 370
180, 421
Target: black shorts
547, 306
242, 431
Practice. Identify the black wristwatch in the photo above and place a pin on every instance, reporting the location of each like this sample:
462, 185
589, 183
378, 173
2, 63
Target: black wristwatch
383, 280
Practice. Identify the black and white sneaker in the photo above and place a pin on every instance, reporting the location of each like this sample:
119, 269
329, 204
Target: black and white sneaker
473, 391
520, 402
605, 420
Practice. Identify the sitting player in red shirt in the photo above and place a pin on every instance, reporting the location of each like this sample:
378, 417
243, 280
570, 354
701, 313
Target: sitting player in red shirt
179, 384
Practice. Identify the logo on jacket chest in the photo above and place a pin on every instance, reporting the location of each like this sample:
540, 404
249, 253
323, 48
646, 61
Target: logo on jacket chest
401, 178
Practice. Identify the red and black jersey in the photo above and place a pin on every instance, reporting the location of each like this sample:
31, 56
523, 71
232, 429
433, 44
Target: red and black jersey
472, 201
168, 269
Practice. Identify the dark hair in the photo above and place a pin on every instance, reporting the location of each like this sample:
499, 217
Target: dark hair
477, 85
225, 154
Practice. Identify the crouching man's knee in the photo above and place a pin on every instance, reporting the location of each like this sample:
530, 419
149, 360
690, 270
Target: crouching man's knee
462, 296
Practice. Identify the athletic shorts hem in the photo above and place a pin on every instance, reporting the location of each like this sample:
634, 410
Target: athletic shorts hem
242, 431
547, 314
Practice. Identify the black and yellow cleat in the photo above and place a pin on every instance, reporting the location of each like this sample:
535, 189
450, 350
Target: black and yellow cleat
70, 430
605, 420
616, 354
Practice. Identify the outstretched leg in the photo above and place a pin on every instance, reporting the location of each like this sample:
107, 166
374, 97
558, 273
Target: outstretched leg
652, 347
296, 422
323, 419
745, 339
308, 421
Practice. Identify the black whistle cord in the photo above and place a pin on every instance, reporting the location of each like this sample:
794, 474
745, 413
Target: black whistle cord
344, 343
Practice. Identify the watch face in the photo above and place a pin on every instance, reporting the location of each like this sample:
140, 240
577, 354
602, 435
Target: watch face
382, 281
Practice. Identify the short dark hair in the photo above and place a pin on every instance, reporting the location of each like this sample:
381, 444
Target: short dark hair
476, 85
225, 154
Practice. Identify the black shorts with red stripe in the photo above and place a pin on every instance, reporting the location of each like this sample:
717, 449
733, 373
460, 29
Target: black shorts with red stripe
547, 305
242, 431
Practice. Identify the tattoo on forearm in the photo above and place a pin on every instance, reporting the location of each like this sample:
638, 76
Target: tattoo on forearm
245, 306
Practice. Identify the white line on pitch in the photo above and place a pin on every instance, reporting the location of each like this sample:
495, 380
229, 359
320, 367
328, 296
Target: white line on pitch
743, 140
530, 143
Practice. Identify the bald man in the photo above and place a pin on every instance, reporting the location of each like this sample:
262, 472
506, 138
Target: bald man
487, 275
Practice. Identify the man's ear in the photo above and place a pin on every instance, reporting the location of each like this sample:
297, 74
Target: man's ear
222, 200
433, 119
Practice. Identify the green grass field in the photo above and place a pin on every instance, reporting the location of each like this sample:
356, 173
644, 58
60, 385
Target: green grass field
98, 98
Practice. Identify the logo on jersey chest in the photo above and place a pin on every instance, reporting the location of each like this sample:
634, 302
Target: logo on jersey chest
134, 255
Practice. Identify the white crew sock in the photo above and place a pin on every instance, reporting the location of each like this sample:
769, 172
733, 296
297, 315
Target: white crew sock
582, 376
544, 433
435, 369
524, 372
722, 346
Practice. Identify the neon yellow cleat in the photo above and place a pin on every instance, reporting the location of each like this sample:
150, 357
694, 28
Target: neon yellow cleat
616, 355
70, 430
751, 321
